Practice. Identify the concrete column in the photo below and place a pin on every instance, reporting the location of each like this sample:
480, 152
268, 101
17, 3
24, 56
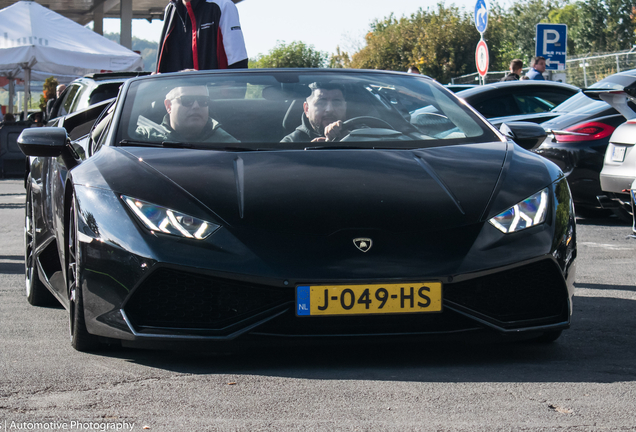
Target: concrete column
27, 92
98, 19
126, 12
11, 94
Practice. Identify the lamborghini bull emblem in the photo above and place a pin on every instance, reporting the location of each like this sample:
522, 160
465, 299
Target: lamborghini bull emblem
364, 244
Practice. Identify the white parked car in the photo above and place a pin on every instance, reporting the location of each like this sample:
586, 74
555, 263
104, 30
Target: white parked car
619, 166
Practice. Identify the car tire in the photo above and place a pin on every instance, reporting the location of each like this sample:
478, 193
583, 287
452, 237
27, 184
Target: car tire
549, 336
81, 339
36, 292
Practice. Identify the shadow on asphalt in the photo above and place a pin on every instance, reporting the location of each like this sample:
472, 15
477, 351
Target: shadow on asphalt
599, 347
606, 287
11, 206
16, 266
602, 221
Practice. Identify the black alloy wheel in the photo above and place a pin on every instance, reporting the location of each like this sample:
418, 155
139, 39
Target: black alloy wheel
36, 292
81, 339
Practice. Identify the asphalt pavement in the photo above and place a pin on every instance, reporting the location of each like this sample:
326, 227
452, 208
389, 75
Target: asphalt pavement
585, 381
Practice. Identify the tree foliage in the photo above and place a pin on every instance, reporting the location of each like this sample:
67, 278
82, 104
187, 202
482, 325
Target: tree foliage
48, 92
340, 60
440, 42
604, 26
294, 55
147, 49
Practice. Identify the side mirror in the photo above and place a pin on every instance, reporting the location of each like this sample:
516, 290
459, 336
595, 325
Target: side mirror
527, 135
47, 142
43, 141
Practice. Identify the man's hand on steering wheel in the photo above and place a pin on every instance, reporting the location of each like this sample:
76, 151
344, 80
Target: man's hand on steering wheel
334, 130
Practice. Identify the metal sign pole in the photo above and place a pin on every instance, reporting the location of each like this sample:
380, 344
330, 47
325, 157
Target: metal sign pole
481, 53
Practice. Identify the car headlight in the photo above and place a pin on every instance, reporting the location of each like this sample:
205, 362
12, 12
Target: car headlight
165, 220
528, 213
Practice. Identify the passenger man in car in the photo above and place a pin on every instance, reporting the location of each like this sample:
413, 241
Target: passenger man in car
187, 119
324, 112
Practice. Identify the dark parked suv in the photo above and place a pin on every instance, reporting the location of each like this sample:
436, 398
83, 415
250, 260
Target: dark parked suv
89, 90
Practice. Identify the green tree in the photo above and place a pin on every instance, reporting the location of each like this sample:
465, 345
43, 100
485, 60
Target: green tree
605, 26
294, 55
440, 42
340, 60
389, 46
447, 46
147, 49
502, 43
48, 92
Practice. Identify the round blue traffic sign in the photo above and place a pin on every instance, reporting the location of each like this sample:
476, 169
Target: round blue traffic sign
481, 15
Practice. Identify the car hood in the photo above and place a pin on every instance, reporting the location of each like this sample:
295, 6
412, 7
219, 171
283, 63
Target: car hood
322, 191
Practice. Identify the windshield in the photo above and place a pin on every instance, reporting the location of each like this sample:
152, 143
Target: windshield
253, 110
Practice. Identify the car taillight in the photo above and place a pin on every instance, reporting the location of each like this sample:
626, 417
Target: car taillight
584, 132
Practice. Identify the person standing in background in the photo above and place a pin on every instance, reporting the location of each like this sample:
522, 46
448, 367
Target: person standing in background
201, 35
516, 66
49, 104
537, 67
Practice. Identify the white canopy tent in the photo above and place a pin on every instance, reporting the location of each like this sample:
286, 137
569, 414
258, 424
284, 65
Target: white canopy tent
36, 43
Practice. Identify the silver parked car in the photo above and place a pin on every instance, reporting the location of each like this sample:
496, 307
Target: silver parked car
619, 165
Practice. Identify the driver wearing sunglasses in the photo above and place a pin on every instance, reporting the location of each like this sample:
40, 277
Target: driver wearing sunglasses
188, 119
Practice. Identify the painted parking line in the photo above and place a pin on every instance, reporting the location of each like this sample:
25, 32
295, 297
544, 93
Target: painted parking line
606, 246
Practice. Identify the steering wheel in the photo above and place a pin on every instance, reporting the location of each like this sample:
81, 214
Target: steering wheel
357, 122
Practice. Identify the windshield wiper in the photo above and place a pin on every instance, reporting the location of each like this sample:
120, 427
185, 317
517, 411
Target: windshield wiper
238, 149
336, 147
360, 148
175, 144
207, 146
138, 143
188, 145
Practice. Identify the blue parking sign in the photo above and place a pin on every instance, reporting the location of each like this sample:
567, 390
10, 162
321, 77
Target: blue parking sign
481, 15
552, 45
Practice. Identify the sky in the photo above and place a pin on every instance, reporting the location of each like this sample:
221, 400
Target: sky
325, 24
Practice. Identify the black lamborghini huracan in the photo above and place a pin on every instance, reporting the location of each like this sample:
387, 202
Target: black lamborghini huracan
192, 208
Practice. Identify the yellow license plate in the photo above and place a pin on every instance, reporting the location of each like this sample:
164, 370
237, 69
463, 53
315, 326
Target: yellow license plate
410, 297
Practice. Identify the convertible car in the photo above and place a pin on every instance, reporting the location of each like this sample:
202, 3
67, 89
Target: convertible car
418, 219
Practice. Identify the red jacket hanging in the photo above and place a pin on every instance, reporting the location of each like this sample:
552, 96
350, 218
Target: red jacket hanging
216, 42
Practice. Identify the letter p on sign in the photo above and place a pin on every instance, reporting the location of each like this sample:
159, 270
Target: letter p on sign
549, 37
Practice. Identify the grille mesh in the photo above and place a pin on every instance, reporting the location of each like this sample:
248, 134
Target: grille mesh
176, 299
535, 291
